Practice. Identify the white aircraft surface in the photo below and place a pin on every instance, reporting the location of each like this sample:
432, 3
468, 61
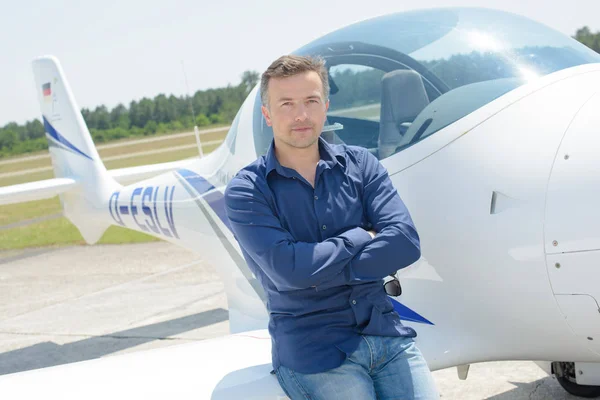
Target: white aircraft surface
489, 126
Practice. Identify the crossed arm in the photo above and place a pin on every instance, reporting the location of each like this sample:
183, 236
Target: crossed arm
354, 256
396, 244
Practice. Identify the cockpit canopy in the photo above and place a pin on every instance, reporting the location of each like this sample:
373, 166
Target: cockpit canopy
397, 79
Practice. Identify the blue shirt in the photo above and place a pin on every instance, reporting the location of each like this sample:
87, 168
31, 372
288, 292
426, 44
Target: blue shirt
310, 249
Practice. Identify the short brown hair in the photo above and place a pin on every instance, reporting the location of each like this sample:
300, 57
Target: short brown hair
290, 65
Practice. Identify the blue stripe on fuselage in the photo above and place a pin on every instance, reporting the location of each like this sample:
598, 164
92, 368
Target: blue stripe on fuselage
199, 183
407, 314
215, 198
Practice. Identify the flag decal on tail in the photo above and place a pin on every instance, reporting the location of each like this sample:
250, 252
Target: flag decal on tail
47, 91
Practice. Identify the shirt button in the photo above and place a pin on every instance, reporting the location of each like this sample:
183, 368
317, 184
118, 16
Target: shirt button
316, 197
324, 227
353, 301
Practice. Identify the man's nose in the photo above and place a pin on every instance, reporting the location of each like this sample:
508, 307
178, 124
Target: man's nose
301, 113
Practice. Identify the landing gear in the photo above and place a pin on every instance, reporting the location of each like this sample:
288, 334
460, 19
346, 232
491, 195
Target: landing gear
565, 375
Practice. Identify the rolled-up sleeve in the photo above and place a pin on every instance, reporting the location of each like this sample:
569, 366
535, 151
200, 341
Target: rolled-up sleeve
289, 264
396, 244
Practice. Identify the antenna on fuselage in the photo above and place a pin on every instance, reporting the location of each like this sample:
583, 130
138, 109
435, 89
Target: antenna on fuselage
196, 132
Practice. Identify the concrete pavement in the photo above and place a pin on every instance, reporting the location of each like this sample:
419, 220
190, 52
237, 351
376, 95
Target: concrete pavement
71, 304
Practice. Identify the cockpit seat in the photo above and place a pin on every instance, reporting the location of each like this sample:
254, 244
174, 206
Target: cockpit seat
403, 96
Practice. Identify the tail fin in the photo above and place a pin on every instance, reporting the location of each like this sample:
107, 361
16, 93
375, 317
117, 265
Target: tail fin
72, 151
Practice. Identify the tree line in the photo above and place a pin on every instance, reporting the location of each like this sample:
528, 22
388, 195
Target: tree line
166, 114
162, 114
591, 40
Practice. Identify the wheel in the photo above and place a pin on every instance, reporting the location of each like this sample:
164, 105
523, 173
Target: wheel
565, 375
588, 392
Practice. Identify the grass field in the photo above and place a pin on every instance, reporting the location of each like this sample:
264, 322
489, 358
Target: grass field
116, 143
59, 231
115, 151
32, 209
371, 111
35, 176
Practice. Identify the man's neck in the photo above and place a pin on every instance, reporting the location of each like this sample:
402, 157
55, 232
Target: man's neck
300, 160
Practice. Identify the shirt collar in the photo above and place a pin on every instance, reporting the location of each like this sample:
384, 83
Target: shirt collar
331, 156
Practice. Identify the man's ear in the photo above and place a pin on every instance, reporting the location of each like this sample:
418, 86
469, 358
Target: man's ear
327, 105
265, 113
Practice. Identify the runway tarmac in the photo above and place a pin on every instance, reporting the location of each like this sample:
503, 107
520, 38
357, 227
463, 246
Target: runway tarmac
63, 305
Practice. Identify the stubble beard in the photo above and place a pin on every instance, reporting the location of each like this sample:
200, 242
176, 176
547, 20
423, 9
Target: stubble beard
302, 143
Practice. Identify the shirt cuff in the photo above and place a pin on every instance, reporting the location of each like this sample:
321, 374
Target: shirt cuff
358, 237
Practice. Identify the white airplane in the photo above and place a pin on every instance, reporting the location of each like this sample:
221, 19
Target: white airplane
488, 124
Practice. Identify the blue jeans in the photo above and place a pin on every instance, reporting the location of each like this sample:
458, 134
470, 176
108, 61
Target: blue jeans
380, 368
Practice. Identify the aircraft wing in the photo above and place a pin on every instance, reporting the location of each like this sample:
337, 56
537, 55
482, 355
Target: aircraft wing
227, 368
129, 175
49, 188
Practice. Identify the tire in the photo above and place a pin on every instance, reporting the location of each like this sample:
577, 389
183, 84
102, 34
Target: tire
585, 391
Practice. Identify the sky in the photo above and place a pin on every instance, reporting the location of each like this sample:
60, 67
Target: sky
116, 51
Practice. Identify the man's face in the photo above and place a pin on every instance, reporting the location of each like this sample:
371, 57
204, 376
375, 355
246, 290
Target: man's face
297, 110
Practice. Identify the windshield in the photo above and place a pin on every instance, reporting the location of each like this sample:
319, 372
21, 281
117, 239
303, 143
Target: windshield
397, 79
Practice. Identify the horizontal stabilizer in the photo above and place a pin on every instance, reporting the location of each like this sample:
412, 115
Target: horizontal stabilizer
49, 188
35, 190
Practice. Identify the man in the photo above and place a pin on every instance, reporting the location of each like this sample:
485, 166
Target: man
320, 226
